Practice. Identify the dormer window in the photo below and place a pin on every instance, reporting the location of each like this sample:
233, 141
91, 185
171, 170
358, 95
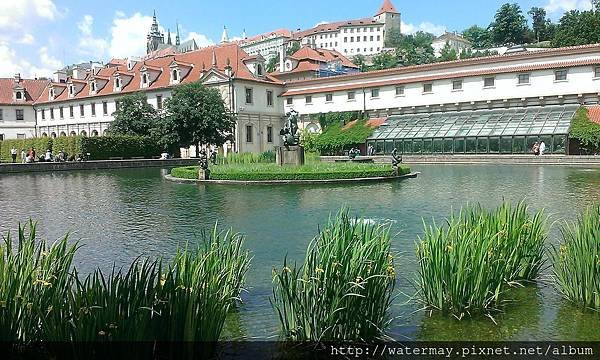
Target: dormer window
51, 94
117, 84
93, 86
174, 75
259, 69
19, 95
71, 90
144, 80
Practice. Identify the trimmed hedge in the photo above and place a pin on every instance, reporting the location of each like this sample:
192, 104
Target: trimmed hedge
586, 132
39, 144
247, 158
268, 172
335, 138
70, 144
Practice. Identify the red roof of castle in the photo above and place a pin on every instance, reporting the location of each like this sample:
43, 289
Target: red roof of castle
387, 7
33, 90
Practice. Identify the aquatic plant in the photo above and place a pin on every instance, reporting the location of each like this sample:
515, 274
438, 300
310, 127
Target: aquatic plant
343, 289
577, 260
465, 267
35, 280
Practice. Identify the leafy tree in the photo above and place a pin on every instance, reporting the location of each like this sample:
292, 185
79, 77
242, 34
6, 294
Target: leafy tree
509, 26
416, 49
541, 25
272, 64
134, 116
385, 60
448, 53
470, 54
478, 36
360, 61
196, 115
292, 49
393, 38
577, 28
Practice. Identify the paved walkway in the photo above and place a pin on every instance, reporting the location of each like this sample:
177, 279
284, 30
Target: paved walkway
488, 159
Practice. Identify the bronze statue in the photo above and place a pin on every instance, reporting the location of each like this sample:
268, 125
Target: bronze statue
213, 157
396, 160
289, 134
203, 163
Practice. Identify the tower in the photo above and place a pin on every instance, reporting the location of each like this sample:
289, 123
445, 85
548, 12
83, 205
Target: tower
155, 38
169, 37
389, 16
225, 36
177, 38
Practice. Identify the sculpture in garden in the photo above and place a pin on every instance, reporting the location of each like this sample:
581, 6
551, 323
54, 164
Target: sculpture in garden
289, 133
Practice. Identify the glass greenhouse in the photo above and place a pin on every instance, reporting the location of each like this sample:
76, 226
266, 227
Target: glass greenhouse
498, 131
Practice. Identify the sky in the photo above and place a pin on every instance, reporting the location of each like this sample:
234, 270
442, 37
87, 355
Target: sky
37, 37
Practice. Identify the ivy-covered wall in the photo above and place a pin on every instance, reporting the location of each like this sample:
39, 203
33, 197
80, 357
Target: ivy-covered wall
584, 134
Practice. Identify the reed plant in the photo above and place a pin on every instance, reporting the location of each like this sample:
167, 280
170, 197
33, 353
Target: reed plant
343, 289
247, 158
465, 267
35, 279
577, 260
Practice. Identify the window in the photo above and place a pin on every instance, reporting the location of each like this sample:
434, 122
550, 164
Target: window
290, 101
457, 85
269, 134
378, 37
81, 110
117, 104
523, 79
427, 88
345, 39
399, 90
175, 75
249, 97
597, 72
93, 109
159, 102
61, 112
104, 108
71, 111
52, 113
43, 114
1, 115
308, 99
351, 95
93, 86
328, 97
1, 137
18, 95
20, 115
269, 98
117, 83
145, 78
374, 93
71, 90
351, 38
259, 69
249, 133
371, 38
489, 82
560, 75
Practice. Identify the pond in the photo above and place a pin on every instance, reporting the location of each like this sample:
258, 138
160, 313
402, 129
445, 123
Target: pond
119, 215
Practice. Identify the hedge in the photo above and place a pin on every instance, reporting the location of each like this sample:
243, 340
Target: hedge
308, 172
39, 144
586, 132
70, 144
335, 138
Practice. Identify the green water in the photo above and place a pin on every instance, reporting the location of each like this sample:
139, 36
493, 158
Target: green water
122, 214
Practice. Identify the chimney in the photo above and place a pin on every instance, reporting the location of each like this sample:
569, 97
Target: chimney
78, 73
96, 67
60, 76
282, 58
17, 77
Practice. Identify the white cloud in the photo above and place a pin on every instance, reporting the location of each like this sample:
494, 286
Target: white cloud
408, 28
27, 39
88, 44
128, 34
560, 6
14, 14
48, 60
201, 39
11, 63
321, 23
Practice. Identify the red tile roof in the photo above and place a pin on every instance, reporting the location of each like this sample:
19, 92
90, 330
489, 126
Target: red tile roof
372, 123
594, 113
33, 90
454, 75
275, 33
322, 28
309, 59
199, 59
387, 7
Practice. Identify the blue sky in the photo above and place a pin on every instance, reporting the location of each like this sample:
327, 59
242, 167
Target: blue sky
39, 36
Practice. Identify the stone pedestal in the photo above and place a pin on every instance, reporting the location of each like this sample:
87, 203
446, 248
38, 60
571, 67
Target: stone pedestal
203, 174
294, 155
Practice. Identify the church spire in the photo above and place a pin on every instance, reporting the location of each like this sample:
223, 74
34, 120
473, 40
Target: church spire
155, 38
169, 37
224, 37
177, 38
244, 36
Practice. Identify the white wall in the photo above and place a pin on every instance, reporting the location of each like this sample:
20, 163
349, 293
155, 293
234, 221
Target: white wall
11, 128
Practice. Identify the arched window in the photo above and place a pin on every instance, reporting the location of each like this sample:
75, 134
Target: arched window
94, 132
62, 133
312, 128
44, 135
145, 78
73, 133
18, 95
83, 133
105, 132
259, 69
175, 75
53, 135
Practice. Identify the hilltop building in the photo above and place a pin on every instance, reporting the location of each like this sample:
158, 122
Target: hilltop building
157, 47
454, 40
308, 63
268, 45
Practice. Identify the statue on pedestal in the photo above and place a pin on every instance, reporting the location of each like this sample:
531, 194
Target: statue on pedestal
289, 133
396, 160
203, 171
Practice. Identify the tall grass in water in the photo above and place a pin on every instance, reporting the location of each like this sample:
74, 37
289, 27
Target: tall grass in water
247, 158
466, 266
35, 280
343, 289
577, 260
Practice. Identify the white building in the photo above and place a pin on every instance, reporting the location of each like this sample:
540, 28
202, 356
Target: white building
17, 114
352, 37
268, 45
454, 40
568, 75
83, 104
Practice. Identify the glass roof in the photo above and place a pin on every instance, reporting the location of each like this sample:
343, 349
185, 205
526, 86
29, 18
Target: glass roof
530, 121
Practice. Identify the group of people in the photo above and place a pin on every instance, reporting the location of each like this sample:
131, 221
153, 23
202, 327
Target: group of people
29, 156
538, 148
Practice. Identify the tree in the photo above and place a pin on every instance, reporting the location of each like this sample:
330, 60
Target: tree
478, 36
509, 26
292, 49
540, 24
470, 54
134, 116
385, 60
272, 64
196, 115
577, 28
393, 39
448, 53
360, 61
416, 49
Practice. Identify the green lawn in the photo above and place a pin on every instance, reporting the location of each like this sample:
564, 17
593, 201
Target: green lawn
312, 171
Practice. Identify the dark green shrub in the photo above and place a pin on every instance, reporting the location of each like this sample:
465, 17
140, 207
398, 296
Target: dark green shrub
585, 132
70, 144
40, 144
106, 147
336, 138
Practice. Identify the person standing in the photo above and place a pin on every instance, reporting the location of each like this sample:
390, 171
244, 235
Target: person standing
542, 148
13, 154
23, 156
